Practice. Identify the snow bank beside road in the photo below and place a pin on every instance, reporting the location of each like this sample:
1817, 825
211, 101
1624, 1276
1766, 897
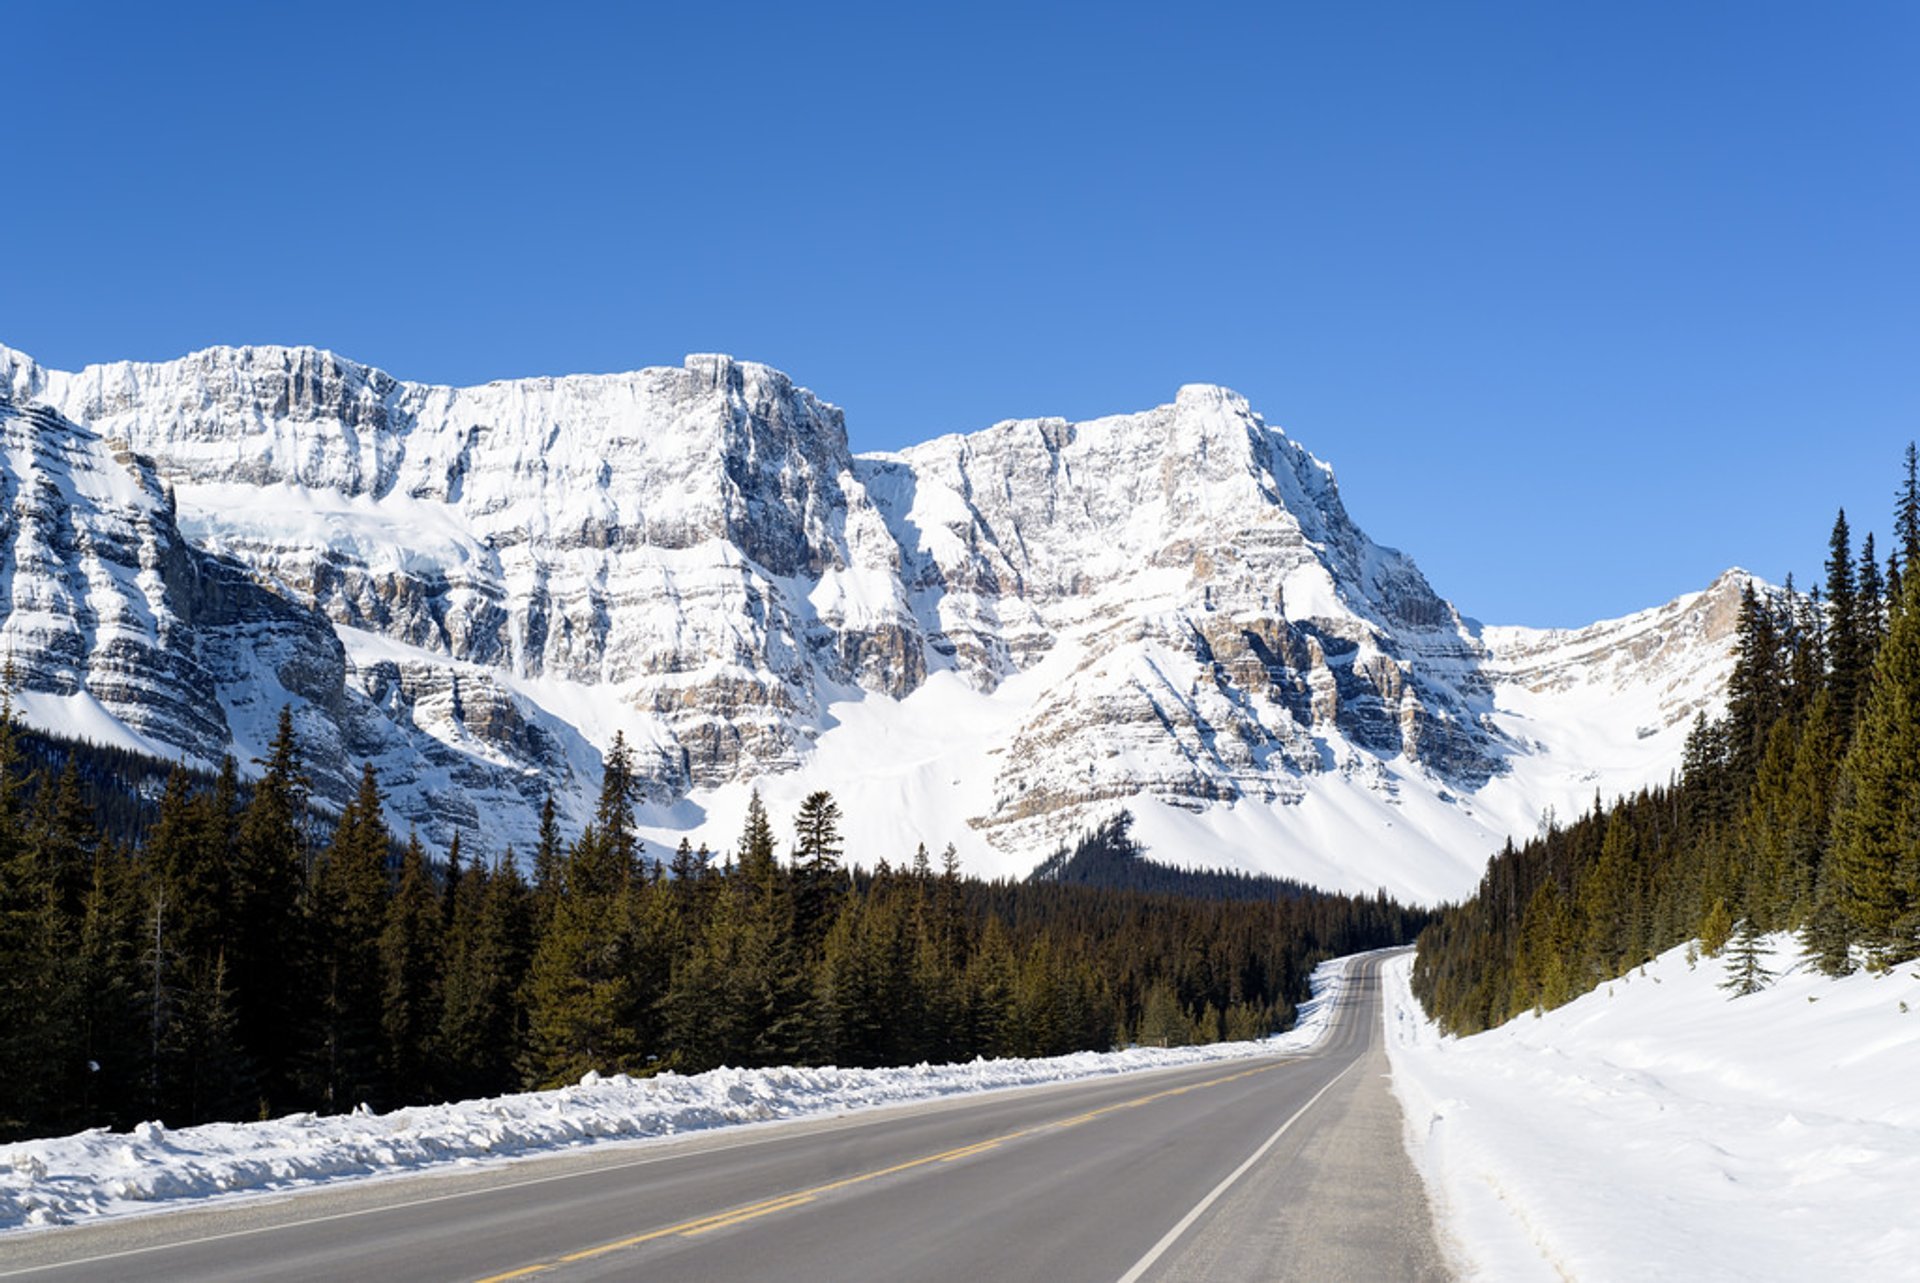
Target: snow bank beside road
99, 1173
1654, 1129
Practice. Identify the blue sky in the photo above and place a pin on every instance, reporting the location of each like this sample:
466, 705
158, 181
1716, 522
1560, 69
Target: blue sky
1583, 303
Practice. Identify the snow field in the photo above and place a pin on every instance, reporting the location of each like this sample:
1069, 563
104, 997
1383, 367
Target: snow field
99, 1173
1656, 1129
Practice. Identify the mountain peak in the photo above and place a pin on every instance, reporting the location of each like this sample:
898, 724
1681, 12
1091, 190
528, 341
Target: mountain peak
1210, 396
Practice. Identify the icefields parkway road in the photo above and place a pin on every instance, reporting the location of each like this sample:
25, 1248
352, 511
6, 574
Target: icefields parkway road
1289, 1168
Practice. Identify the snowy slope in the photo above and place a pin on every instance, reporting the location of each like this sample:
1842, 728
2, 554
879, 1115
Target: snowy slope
992, 639
1655, 1129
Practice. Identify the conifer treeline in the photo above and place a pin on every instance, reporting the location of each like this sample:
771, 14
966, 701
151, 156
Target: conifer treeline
1799, 810
235, 964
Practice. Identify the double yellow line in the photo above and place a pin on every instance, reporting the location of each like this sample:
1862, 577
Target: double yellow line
799, 1198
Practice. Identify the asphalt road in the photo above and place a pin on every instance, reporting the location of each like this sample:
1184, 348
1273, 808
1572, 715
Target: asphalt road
1283, 1168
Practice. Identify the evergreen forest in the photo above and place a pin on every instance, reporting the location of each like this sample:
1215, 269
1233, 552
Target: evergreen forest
1798, 810
217, 952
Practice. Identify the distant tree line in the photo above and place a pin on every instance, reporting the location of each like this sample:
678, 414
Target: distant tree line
233, 959
1799, 810
1108, 856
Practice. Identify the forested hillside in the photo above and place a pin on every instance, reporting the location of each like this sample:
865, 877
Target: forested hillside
1798, 810
225, 958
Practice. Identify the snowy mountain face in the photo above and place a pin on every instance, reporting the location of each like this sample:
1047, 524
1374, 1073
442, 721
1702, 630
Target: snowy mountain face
991, 639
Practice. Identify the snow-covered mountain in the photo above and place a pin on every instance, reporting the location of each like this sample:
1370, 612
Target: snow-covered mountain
989, 639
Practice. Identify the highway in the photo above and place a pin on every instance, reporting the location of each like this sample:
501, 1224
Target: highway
1282, 1168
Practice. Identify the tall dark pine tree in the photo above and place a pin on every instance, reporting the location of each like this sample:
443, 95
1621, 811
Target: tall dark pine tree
410, 969
486, 954
267, 951
770, 985
1844, 644
581, 997
1756, 692
37, 993
1874, 871
817, 876
1873, 618
346, 915
1906, 518
548, 857
615, 813
757, 861
1806, 658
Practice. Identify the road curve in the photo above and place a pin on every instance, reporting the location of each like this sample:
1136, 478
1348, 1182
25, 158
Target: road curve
1283, 1168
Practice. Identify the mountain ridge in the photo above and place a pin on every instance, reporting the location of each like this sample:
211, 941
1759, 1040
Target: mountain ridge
1170, 605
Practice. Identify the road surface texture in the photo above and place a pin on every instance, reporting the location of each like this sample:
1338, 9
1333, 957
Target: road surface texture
1282, 1168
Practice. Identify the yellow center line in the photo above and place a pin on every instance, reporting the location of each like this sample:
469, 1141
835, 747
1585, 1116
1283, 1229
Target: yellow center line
784, 1202
721, 1224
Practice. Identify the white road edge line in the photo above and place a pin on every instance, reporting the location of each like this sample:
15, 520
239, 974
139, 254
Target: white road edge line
1185, 1223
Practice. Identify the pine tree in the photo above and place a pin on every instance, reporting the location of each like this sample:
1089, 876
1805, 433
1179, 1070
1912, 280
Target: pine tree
347, 911
1162, 1022
757, 860
547, 859
1826, 936
580, 993
817, 876
614, 815
1906, 521
1746, 968
992, 997
849, 1019
410, 966
1875, 861
1716, 928
450, 886
114, 1041
487, 950
1872, 607
1844, 645
269, 946
1809, 814
1756, 691
705, 1006
1806, 658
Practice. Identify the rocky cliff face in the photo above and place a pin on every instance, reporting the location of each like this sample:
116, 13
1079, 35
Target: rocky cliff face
477, 586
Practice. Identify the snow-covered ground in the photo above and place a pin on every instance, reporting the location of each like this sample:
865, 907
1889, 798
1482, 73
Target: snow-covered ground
1657, 1129
97, 1174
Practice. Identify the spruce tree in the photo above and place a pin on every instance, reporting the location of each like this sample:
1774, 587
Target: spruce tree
268, 948
1844, 644
548, 856
347, 911
1716, 928
757, 861
1906, 520
115, 1031
410, 954
614, 815
580, 992
486, 953
817, 876
1757, 688
1746, 968
1872, 606
1875, 861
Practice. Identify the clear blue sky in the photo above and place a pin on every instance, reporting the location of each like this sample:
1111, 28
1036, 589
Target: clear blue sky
1582, 302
